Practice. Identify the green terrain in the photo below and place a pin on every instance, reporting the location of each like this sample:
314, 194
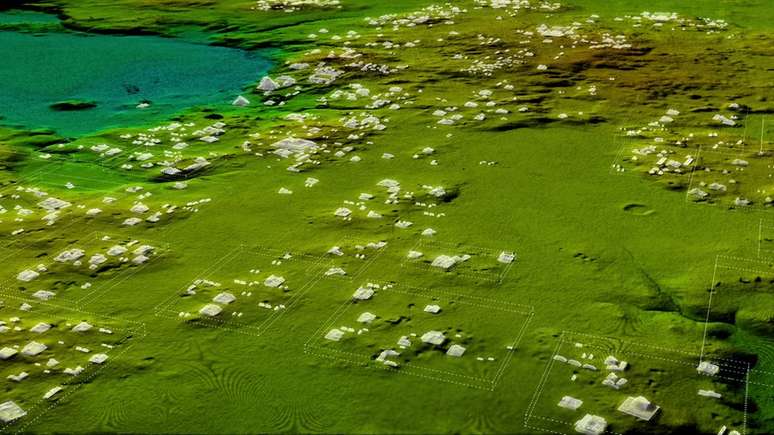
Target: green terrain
567, 182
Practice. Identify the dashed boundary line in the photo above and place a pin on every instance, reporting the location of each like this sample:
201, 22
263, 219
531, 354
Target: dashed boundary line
709, 310
215, 265
624, 140
764, 228
696, 159
718, 202
139, 327
59, 398
103, 289
311, 346
136, 333
166, 309
618, 159
484, 252
89, 241
541, 384
624, 348
403, 370
719, 266
349, 239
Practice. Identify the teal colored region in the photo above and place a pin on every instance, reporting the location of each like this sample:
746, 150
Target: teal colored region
26, 17
116, 73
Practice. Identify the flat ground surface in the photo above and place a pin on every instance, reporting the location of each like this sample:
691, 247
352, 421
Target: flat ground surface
596, 175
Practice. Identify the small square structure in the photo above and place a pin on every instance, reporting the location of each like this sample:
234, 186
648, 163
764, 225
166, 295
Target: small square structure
455, 350
224, 298
82, 327
639, 407
591, 425
335, 271
433, 309
363, 293
444, 262
43, 295
40, 328
334, 335
50, 393
433, 337
385, 354
707, 368
98, 358
210, 310
506, 257
274, 281
34, 348
7, 352
27, 275
366, 317
10, 411
569, 402
614, 365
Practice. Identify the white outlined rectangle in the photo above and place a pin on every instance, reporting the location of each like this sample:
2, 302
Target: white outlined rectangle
220, 277
86, 288
672, 369
482, 369
117, 336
